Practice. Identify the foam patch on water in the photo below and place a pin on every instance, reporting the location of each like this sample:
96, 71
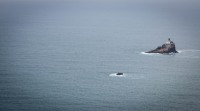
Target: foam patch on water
157, 54
184, 53
133, 76
179, 51
115, 75
151, 54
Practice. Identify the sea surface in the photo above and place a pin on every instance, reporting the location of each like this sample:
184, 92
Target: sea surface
64, 57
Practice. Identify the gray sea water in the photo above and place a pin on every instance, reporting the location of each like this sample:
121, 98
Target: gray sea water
64, 57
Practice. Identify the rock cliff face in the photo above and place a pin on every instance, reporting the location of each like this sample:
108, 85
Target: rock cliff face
168, 47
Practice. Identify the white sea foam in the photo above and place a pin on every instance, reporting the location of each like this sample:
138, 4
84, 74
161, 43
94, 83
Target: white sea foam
115, 75
151, 54
135, 76
179, 51
158, 54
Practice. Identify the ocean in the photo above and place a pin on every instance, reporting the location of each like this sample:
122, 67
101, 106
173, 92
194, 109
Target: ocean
64, 57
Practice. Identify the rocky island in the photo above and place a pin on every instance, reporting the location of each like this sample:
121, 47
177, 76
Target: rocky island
168, 47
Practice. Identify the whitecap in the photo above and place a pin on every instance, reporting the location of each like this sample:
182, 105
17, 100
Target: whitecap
179, 51
115, 75
151, 54
128, 75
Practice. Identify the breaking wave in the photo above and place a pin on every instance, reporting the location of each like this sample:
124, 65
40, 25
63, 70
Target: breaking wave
115, 75
150, 54
184, 53
135, 76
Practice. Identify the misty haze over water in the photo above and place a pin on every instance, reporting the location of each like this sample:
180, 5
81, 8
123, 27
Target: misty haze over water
65, 55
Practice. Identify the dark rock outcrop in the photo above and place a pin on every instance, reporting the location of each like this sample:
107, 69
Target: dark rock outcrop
168, 47
119, 73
